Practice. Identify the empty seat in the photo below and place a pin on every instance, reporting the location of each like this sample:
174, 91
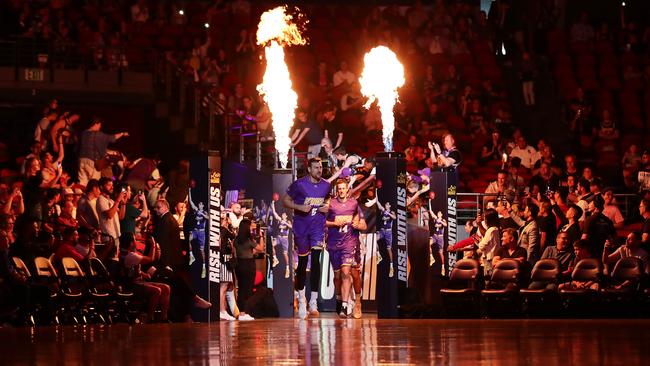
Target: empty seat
500, 296
540, 298
460, 297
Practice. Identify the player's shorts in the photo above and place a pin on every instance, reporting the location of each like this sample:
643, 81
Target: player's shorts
437, 242
387, 235
307, 236
347, 255
283, 242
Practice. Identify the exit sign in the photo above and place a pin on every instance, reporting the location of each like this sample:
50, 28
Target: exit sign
34, 75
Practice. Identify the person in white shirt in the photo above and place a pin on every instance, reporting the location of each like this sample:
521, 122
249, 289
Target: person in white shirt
344, 75
525, 152
42, 126
611, 209
109, 210
490, 243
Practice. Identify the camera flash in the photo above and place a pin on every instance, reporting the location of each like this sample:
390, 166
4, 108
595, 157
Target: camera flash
206, 25
181, 12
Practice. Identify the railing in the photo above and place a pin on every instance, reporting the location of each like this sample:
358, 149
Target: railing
469, 203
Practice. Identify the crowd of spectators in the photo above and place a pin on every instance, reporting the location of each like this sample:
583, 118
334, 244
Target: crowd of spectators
72, 197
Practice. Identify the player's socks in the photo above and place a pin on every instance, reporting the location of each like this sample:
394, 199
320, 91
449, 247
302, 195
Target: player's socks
344, 310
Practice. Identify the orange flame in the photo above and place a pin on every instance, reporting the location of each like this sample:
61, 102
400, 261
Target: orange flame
382, 75
274, 31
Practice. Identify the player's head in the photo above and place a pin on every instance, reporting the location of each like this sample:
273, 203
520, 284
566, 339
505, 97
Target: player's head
315, 168
387, 205
201, 206
342, 188
284, 216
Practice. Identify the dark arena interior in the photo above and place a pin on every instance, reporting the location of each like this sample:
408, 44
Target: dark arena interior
324, 182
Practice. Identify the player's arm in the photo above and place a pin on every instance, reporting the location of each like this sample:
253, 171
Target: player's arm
392, 215
290, 204
334, 223
360, 222
325, 207
275, 213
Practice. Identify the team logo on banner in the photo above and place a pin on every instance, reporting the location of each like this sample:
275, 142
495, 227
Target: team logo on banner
215, 227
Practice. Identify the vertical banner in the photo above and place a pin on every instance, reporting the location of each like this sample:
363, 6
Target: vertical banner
443, 200
203, 225
282, 241
391, 184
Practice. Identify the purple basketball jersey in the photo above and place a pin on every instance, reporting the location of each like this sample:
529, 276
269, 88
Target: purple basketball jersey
344, 236
304, 192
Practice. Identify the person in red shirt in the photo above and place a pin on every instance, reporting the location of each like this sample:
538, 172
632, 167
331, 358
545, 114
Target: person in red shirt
67, 247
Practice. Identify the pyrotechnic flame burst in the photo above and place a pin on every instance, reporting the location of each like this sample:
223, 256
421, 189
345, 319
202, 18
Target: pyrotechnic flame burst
382, 75
274, 31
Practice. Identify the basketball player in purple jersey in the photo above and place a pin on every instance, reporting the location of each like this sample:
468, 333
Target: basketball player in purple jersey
308, 198
344, 222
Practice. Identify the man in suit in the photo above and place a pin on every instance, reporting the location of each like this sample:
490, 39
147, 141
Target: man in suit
529, 233
167, 234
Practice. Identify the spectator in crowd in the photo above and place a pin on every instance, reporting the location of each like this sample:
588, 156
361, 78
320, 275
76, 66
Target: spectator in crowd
158, 294
109, 210
572, 226
308, 129
140, 170
167, 235
611, 210
343, 77
529, 232
546, 224
87, 214
581, 250
332, 126
246, 245
597, 227
644, 211
130, 213
140, 11
562, 251
643, 175
499, 189
526, 153
527, 75
43, 126
545, 181
582, 31
509, 248
494, 149
583, 196
631, 248
490, 242
92, 149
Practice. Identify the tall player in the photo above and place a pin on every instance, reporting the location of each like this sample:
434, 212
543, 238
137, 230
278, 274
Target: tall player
308, 198
344, 222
